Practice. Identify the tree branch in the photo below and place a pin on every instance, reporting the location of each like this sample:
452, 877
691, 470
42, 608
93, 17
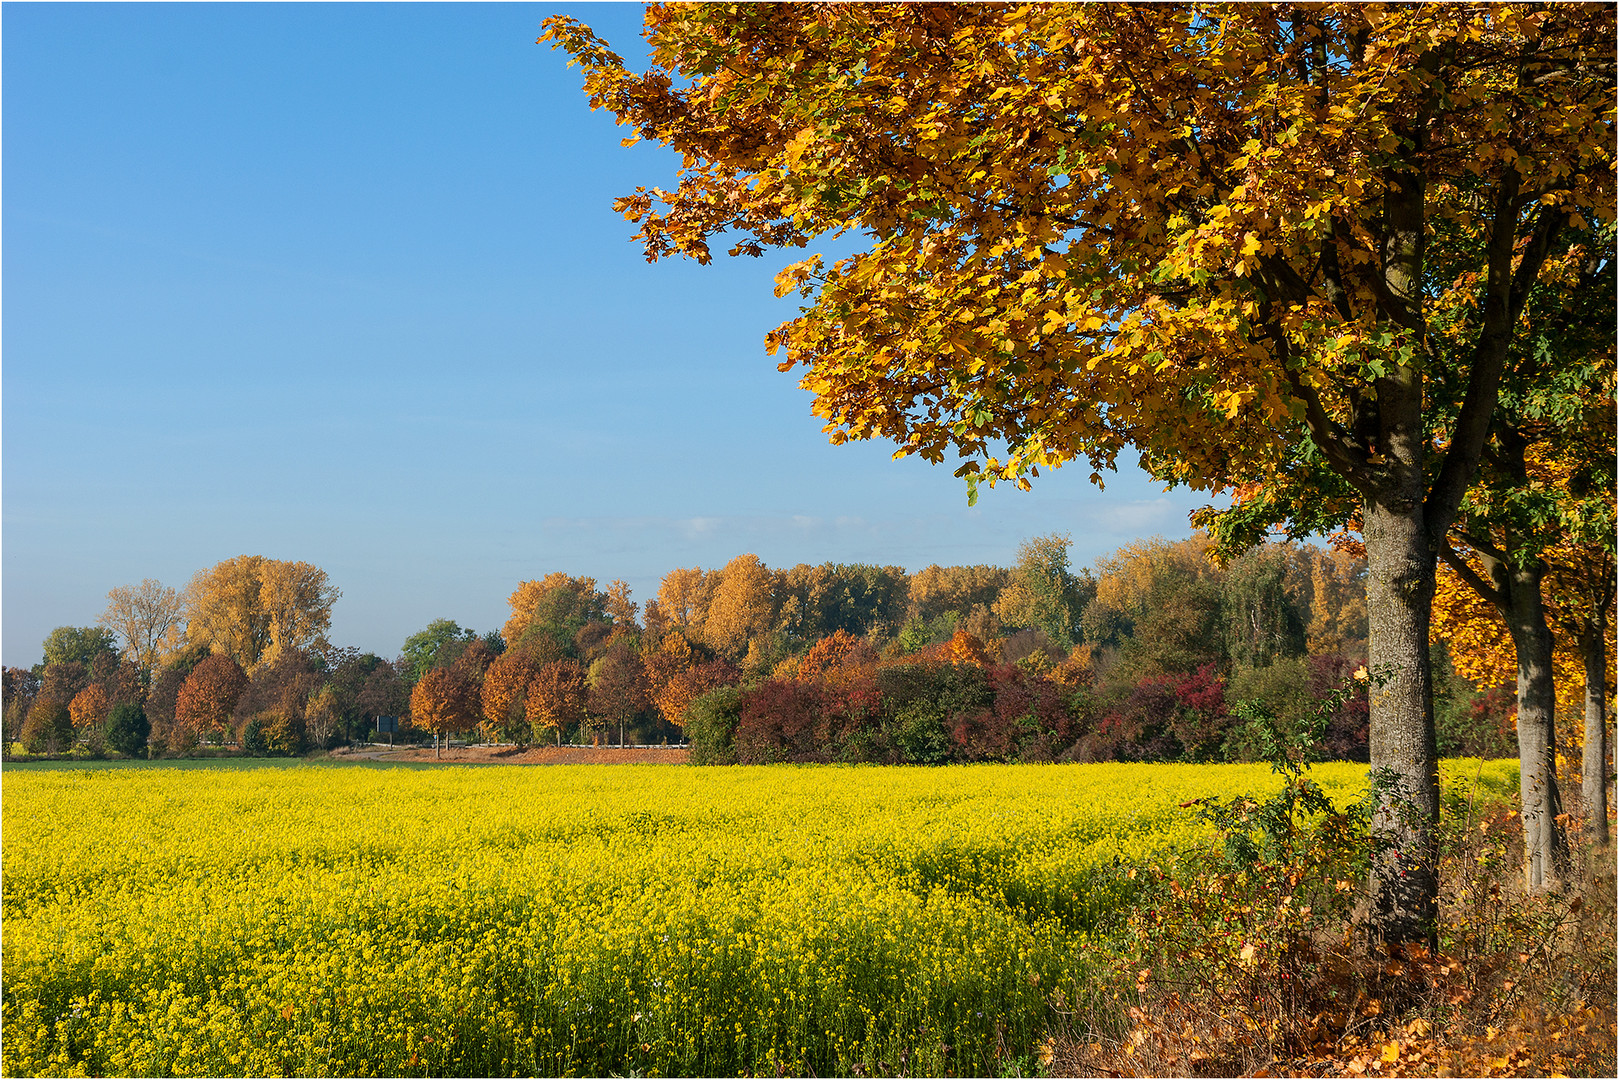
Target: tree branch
1469, 575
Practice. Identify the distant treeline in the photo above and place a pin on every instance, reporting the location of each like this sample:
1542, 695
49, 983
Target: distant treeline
1142, 656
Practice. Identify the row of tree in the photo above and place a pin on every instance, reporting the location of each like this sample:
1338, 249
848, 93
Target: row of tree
1115, 651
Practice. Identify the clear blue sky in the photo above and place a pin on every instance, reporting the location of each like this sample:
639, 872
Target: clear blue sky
344, 284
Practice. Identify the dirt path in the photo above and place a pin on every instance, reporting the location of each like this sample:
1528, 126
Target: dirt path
511, 755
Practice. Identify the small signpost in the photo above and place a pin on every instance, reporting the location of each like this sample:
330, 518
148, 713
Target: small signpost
390, 724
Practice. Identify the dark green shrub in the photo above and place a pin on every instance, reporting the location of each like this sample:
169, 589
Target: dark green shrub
710, 723
128, 729
253, 744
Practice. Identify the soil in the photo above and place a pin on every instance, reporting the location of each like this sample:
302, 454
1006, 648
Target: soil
513, 755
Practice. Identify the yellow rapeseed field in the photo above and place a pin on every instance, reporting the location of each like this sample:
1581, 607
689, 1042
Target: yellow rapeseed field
570, 920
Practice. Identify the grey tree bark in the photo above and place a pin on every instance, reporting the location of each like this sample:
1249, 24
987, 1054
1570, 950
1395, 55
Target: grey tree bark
1545, 843
1594, 770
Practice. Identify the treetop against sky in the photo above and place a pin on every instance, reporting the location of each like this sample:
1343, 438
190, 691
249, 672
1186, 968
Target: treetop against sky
344, 284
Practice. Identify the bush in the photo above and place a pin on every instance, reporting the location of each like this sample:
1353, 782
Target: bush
780, 721
710, 722
253, 744
128, 729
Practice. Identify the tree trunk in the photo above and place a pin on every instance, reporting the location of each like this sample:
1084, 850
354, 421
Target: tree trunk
1399, 600
1545, 846
1594, 760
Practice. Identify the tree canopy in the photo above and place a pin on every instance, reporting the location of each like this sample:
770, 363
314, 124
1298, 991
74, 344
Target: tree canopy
1228, 236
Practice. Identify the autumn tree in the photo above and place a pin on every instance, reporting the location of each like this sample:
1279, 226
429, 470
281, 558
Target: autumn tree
164, 694
742, 608
621, 610
683, 598
1211, 233
445, 700
250, 608
671, 655
618, 687
936, 590
505, 689
146, 618
89, 708
557, 606
1337, 602
48, 728
208, 697
686, 686
298, 599
556, 698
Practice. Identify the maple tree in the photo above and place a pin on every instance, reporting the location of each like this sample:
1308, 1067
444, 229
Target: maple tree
89, 708
556, 698
445, 701
1208, 232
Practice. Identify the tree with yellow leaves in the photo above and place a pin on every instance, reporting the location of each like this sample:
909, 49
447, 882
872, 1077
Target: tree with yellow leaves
1211, 233
147, 619
742, 609
255, 609
556, 606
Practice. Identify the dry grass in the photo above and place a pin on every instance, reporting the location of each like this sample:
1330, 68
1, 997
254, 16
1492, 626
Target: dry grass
1241, 981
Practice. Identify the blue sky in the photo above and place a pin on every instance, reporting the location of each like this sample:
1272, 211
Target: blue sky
344, 284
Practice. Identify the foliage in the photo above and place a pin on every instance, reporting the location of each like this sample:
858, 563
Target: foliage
128, 729
89, 708
436, 645
618, 688
556, 607
1043, 594
688, 685
147, 619
251, 608
710, 722
555, 700
1230, 238
49, 726
445, 700
818, 601
78, 644
505, 692
208, 697
742, 608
